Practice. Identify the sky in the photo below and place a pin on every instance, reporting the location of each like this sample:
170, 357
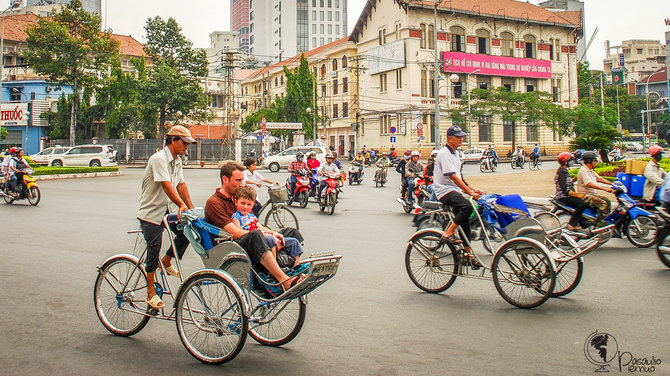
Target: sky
617, 20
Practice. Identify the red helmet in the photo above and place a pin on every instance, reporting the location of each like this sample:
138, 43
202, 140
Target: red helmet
12, 150
408, 152
655, 149
564, 157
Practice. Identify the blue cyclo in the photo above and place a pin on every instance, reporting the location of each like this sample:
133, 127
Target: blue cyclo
638, 224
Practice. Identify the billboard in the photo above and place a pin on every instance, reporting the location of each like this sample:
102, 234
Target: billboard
461, 62
388, 57
13, 114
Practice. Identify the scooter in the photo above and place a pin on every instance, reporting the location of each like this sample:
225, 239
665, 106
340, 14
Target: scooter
356, 171
488, 164
421, 190
639, 225
380, 176
329, 195
518, 162
26, 188
302, 188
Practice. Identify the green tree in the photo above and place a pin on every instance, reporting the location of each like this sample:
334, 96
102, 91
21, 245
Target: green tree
70, 49
3, 133
599, 139
172, 89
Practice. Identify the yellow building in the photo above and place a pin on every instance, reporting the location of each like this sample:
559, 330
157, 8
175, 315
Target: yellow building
484, 43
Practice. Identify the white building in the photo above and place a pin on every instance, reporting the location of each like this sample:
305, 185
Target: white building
280, 29
641, 58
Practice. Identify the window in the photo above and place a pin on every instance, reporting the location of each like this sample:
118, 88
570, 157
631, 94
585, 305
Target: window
345, 109
485, 128
322, 41
337, 3
557, 50
508, 83
323, 90
314, 42
334, 64
484, 82
276, 81
382, 36
458, 89
423, 36
344, 61
398, 79
457, 39
508, 130
382, 83
556, 90
384, 124
424, 83
281, 80
334, 87
530, 45
313, 28
323, 29
335, 112
330, 16
15, 95
507, 44
321, 3
323, 70
251, 15
531, 131
397, 31
345, 85
330, 29
483, 42
337, 29
431, 37
639, 51
337, 16
330, 40
321, 15
314, 3
530, 85
313, 15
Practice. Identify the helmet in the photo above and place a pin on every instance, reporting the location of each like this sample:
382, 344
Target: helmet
12, 150
434, 152
384, 153
655, 149
416, 153
18, 150
330, 155
564, 157
589, 156
300, 155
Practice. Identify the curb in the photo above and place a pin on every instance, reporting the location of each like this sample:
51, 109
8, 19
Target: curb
84, 175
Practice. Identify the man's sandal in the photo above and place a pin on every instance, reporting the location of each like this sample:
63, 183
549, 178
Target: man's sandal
453, 239
155, 302
171, 270
294, 282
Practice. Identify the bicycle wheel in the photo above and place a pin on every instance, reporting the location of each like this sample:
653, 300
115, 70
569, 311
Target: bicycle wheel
210, 319
663, 248
280, 217
431, 265
278, 323
568, 276
641, 231
523, 274
120, 309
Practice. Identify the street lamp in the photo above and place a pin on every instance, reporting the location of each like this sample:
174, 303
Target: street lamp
467, 82
309, 111
14, 4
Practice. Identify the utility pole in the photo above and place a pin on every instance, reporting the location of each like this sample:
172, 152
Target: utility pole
436, 124
229, 101
357, 71
602, 95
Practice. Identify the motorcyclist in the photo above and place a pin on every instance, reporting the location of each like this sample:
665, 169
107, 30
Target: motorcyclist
15, 166
565, 191
337, 162
294, 167
359, 162
6, 162
518, 157
428, 173
312, 162
653, 173
493, 155
587, 184
383, 163
324, 169
412, 170
400, 168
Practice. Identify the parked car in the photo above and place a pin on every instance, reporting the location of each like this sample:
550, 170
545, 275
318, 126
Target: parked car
634, 146
283, 159
473, 155
87, 155
47, 155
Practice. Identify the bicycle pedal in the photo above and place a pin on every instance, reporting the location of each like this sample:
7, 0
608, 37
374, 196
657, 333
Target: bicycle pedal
153, 311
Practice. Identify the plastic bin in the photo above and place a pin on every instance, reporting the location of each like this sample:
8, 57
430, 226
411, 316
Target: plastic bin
637, 185
624, 178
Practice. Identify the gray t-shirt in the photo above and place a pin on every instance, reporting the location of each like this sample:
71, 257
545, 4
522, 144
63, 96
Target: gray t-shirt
154, 201
447, 163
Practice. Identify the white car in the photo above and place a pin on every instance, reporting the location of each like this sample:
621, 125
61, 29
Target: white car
47, 155
284, 159
634, 146
88, 156
473, 155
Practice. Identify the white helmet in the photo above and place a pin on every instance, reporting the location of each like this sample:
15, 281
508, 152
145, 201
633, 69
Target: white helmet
416, 153
434, 152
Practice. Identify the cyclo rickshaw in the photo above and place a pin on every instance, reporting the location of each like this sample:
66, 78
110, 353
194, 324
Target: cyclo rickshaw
534, 260
215, 307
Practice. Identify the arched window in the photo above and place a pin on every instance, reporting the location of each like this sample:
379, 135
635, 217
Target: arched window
281, 80
276, 82
423, 35
507, 44
457, 38
334, 64
530, 46
483, 42
344, 61
323, 70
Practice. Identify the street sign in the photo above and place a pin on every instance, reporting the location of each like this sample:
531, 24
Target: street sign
419, 132
392, 139
393, 130
621, 60
419, 126
264, 123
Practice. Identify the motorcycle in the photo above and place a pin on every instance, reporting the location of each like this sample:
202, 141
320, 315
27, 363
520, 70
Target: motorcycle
315, 183
26, 188
518, 162
380, 176
329, 195
302, 188
421, 190
487, 164
356, 173
639, 225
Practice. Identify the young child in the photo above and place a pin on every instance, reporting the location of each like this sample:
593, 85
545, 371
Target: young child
245, 197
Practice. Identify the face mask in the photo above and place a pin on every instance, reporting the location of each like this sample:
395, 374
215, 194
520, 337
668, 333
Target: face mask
657, 156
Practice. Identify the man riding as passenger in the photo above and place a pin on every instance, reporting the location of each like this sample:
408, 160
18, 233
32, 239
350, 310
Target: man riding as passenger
413, 169
587, 184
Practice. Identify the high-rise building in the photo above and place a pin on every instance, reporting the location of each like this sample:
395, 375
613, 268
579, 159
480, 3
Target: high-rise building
239, 22
283, 28
92, 6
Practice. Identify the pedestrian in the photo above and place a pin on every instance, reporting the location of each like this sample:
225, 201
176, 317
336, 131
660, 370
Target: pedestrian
164, 191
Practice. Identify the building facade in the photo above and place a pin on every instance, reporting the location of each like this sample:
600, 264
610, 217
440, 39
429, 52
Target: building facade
641, 58
573, 11
280, 29
239, 22
92, 6
486, 44
335, 85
